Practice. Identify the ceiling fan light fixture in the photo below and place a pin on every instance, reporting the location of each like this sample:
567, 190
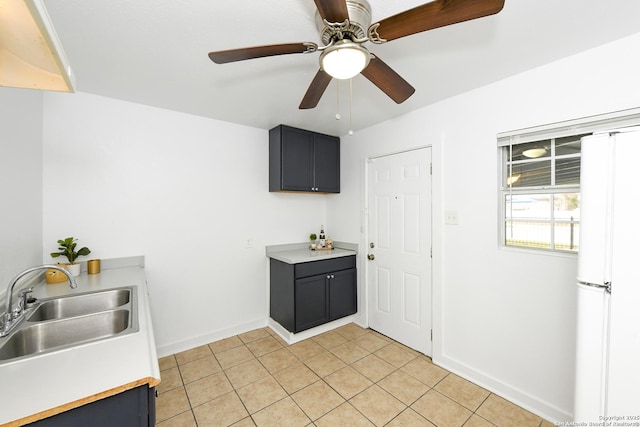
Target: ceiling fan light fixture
512, 179
344, 60
534, 153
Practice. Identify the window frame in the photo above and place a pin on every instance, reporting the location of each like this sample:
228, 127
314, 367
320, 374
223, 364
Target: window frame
552, 189
581, 126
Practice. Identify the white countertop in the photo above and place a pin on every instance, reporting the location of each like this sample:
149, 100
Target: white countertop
43, 382
299, 252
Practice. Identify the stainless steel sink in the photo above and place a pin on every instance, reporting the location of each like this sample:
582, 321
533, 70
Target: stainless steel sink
65, 322
78, 305
45, 336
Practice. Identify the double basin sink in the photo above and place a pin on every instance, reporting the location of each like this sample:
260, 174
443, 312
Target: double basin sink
64, 322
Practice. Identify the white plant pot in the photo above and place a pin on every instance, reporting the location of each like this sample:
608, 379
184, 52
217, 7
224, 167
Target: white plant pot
74, 269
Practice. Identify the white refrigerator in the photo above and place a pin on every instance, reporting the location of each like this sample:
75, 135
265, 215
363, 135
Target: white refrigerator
608, 330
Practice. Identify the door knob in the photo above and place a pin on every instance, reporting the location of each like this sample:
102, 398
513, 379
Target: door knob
371, 257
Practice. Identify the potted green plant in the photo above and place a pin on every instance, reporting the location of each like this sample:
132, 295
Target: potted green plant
67, 248
313, 238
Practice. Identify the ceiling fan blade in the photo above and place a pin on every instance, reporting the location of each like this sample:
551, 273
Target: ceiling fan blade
233, 55
316, 89
438, 13
387, 80
333, 10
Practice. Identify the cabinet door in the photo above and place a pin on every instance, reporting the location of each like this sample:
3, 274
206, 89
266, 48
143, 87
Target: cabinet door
311, 302
281, 294
342, 294
297, 160
134, 407
327, 163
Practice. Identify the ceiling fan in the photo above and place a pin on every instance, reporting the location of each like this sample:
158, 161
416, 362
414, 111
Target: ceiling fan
345, 25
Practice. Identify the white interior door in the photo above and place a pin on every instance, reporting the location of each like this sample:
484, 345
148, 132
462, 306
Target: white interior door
399, 247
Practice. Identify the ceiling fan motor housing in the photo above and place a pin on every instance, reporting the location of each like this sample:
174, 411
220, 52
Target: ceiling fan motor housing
359, 21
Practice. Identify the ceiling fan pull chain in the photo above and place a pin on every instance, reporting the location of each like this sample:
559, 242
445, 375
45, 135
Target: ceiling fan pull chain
338, 117
350, 106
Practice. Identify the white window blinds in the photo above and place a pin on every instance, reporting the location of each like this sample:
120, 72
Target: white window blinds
602, 122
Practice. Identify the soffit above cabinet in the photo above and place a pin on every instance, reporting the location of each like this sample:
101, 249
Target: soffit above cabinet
31, 55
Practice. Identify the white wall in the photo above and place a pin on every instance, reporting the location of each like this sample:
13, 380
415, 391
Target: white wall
184, 191
21, 182
503, 318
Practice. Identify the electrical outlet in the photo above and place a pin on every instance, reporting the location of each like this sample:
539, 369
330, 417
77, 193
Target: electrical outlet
249, 243
451, 217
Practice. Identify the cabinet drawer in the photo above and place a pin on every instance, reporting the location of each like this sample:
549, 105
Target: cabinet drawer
312, 268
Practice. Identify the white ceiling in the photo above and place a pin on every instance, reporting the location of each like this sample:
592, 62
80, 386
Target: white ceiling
154, 52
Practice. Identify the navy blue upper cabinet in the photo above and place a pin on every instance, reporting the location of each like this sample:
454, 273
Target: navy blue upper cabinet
301, 160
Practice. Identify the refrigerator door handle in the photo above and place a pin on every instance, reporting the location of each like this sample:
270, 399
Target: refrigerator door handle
606, 285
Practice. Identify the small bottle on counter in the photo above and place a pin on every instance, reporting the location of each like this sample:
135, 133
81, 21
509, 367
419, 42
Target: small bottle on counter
322, 239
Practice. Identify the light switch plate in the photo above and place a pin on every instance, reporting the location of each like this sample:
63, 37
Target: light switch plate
451, 217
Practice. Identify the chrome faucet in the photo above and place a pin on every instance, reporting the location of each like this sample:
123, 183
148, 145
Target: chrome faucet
11, 318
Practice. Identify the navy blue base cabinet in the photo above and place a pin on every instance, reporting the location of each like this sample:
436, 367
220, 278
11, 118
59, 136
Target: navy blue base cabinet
131, 408
310, 294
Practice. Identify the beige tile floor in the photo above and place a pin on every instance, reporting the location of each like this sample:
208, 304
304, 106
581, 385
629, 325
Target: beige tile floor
346, 377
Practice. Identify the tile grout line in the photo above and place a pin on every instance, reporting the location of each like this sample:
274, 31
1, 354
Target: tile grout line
243, 343
348, 400
288, 395
350, 338
319, 378
278, 382
233, 389
182, 385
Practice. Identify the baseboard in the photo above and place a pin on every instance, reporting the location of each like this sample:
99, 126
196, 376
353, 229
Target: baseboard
291, 338
189, 343
532, 404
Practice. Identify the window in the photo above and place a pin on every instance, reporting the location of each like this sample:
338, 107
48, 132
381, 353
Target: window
540, 181
541, 194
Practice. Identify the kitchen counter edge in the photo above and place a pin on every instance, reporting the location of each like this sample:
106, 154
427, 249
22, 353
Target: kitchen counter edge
296, 253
